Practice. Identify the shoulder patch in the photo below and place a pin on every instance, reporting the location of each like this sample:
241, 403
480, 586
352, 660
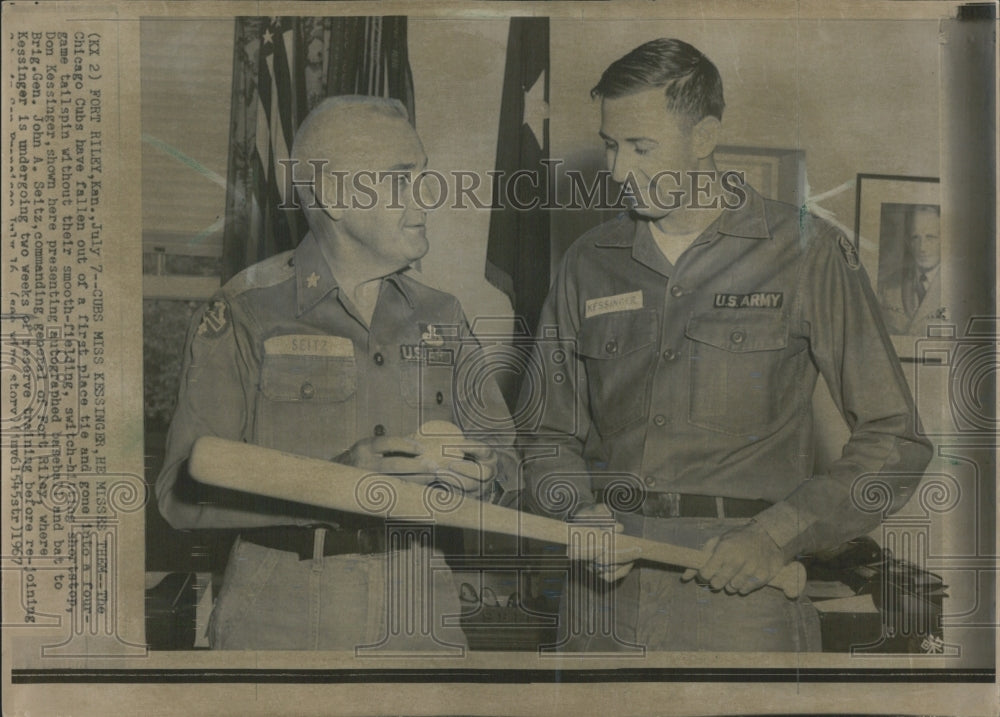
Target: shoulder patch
849, 251
215, 321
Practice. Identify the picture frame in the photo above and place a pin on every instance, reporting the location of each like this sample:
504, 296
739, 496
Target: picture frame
776, 173
897, 235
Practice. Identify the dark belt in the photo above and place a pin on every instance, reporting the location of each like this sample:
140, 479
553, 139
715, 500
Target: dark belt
688, 505
301, 540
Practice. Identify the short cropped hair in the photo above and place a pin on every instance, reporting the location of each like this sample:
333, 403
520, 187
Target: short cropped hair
691, 83
327, 129
385, 106
341, 108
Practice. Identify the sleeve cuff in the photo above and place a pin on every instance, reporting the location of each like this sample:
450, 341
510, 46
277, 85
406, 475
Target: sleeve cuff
784, 523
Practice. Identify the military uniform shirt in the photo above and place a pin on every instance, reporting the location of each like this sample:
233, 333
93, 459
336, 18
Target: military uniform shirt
279, 359
698, 377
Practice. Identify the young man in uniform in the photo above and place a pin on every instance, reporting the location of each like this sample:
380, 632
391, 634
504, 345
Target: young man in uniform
332, 351
701, 321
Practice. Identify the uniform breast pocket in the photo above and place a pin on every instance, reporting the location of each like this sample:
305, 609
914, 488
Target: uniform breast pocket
306, 404
428, 386
735, 367
618, 351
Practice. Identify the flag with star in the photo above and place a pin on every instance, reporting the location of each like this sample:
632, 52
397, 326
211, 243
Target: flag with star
517, 254
282, 68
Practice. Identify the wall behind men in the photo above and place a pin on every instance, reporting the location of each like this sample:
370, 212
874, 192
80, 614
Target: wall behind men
186, 74
458, 69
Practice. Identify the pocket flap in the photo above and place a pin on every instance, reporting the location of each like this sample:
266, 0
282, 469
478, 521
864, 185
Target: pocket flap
309, 378
609, 336
747, 332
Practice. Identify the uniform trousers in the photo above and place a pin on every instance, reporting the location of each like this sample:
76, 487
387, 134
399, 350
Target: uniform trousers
274, 600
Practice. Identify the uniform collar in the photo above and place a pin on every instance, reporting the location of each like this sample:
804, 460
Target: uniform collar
748, 221
314, 280
621, 233
645, 251
400, 281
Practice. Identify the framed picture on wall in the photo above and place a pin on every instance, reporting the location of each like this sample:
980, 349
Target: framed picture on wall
897, 233
775, 173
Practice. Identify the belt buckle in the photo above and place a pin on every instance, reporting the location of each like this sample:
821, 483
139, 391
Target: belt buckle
662, 505
666, 505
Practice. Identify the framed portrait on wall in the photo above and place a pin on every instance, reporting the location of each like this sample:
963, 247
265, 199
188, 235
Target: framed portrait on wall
898, 234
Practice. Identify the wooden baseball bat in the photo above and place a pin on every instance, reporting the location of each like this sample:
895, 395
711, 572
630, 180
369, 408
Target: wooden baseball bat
286, 476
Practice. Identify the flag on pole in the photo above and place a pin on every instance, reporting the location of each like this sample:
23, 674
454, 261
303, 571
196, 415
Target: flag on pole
282, 68
517, 254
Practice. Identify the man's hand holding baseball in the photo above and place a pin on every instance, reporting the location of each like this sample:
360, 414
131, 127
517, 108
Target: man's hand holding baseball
461, 463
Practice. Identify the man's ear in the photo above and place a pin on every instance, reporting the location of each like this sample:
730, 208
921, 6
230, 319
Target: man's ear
705, 136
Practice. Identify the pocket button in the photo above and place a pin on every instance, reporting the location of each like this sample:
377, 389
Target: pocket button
611, 347
307, 390
737, 336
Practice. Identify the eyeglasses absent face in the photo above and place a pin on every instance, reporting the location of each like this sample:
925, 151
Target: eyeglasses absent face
643, 142
924, 238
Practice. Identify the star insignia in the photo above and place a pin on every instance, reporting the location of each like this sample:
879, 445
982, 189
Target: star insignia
268, 36
536, 109
312, 280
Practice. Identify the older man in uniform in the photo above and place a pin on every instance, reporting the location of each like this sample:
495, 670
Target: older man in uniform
335, 351
701, 320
